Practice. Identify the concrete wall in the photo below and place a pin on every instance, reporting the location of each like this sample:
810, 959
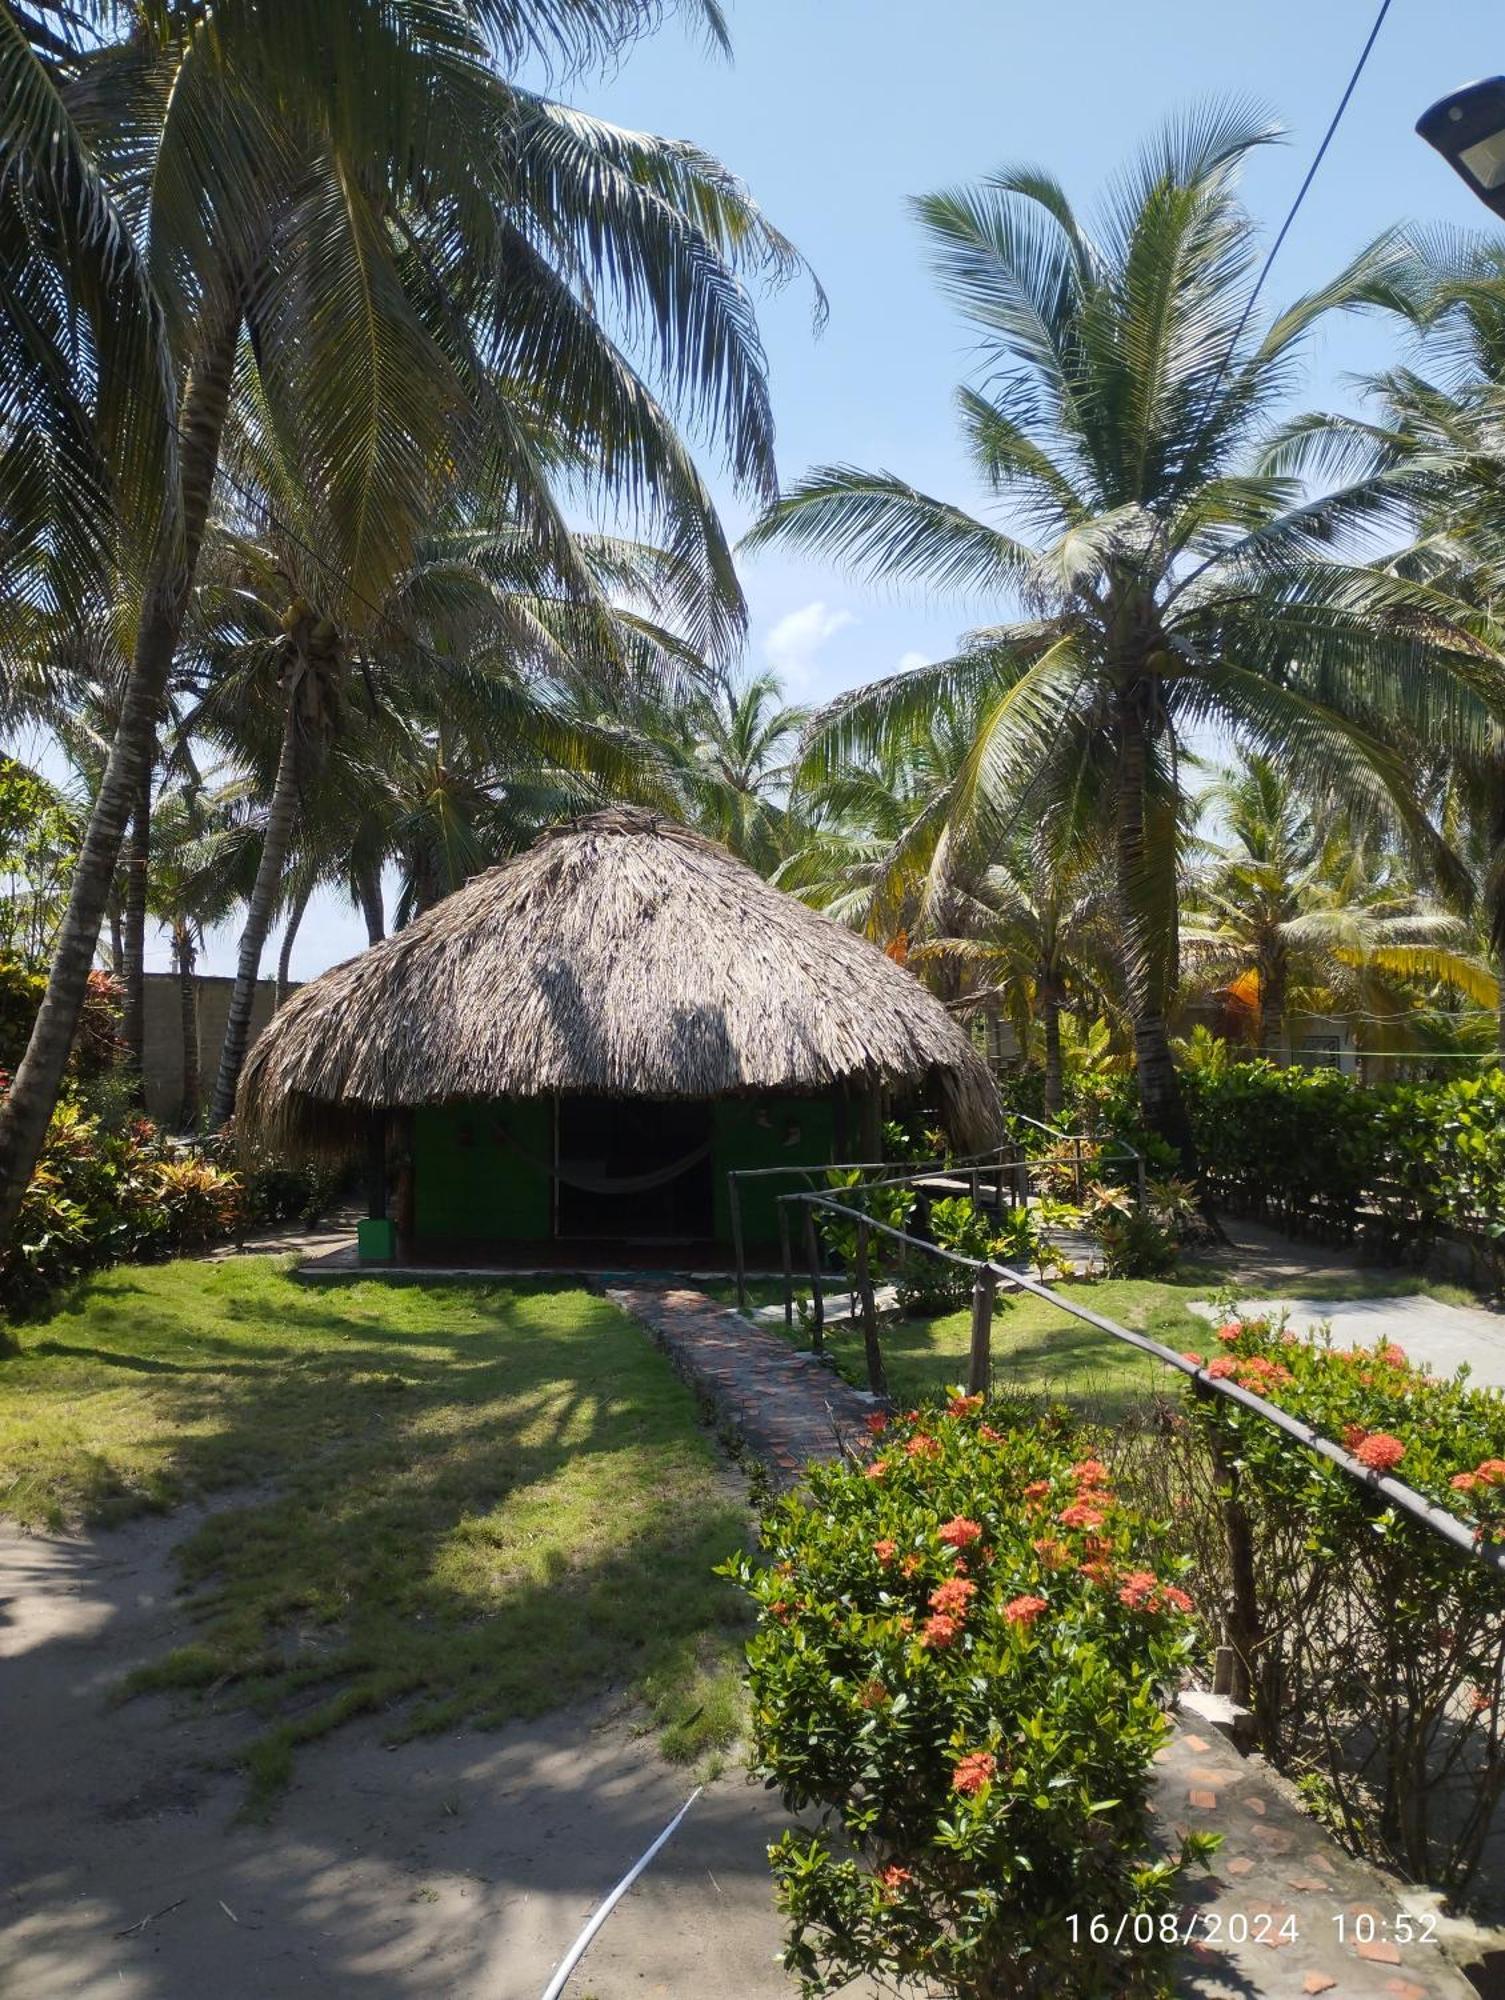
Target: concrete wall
164, 1037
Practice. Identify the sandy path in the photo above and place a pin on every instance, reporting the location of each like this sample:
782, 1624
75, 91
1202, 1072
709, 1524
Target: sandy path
457, 1866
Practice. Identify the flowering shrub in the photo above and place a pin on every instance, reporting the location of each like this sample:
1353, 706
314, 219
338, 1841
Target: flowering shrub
963, 1653
1373, 1650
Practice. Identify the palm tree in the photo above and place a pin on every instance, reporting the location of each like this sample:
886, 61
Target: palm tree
1307, 902
1036, 928
729, 750
418, 255
461, 693
1168, 571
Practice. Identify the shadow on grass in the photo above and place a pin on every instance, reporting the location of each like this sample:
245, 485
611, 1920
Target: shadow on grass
473, 1503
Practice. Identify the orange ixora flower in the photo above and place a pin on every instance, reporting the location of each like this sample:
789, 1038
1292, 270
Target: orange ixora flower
885, 1550
952, 1596
1023, 1610
911, 1566
1037, 1489
1222, 1368
1380, 1452
1138, 1589
974, 1771
1091, 1472
1491, 1471
1464, 1482
873, 1694
894, 1880
1230, 1331
877, 1470
1353, 1436
940, 1630
923, 1446
964, 1406
877, 1423
1194, 1359
1395, 1356
1081, 1514
959, 1532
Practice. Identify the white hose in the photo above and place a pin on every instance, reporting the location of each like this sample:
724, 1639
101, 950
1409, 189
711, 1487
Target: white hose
578, 1949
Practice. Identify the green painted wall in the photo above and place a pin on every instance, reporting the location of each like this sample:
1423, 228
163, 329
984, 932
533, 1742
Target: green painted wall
756, 1132
469, 1185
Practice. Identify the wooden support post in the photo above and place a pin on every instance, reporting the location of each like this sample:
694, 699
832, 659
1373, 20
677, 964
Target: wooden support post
734, 1207
376, 1166
877, 1381
817, 1285
786, 1259
870, 1114
403, 1205
980, 1365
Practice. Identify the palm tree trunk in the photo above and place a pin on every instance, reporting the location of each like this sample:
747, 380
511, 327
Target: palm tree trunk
289, 939
138, 849
117, 941
1274, 987
1050, 1021
368, 888
188, 1010
1150, 953
279, 832
27, 1111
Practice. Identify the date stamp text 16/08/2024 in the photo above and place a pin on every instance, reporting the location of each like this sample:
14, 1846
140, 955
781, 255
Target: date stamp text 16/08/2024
1216, 1927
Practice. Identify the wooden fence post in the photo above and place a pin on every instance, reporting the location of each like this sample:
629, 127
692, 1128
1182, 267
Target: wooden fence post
786, 1258
877, 1381
980, 1365
734, 1204
817, 1284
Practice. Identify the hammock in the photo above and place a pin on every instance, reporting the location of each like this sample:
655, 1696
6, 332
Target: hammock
599, 1183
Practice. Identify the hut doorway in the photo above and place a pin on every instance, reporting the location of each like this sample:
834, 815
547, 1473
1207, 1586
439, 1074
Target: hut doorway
634, 1171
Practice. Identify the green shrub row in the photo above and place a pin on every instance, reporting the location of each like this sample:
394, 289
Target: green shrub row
1315, 1146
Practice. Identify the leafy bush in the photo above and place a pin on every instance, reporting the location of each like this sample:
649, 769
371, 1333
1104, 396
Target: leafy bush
890, 1205
1372, 1649
1318, 1148
96, 1043
1140, 1240
110, 1187
963, 1653
929, 1285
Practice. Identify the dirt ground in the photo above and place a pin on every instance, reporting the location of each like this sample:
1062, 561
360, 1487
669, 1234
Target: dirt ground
459, 1866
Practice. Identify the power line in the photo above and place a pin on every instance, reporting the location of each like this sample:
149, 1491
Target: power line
1295, 209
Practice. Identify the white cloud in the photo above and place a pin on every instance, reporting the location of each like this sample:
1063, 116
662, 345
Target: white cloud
909, 661
793, 644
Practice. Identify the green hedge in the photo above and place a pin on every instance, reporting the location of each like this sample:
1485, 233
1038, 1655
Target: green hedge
1316, 1147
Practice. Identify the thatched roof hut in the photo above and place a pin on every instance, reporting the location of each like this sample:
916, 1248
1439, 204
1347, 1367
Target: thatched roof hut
622, 956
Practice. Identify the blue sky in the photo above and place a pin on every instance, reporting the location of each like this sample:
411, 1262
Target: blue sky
836, 112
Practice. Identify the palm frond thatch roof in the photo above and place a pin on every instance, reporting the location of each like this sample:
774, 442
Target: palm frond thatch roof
621, 956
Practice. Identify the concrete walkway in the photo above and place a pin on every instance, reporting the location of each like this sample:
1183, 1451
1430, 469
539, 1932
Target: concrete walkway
1444, 1337
1279, 1915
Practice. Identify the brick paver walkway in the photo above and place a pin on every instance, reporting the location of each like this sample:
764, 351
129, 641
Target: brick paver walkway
1284, 1912
787, 1406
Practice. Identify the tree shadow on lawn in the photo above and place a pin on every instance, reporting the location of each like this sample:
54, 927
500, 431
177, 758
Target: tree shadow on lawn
483, 1501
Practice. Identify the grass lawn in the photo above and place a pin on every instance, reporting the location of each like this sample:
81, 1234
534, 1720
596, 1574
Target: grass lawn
1039, 1349
467, 1502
